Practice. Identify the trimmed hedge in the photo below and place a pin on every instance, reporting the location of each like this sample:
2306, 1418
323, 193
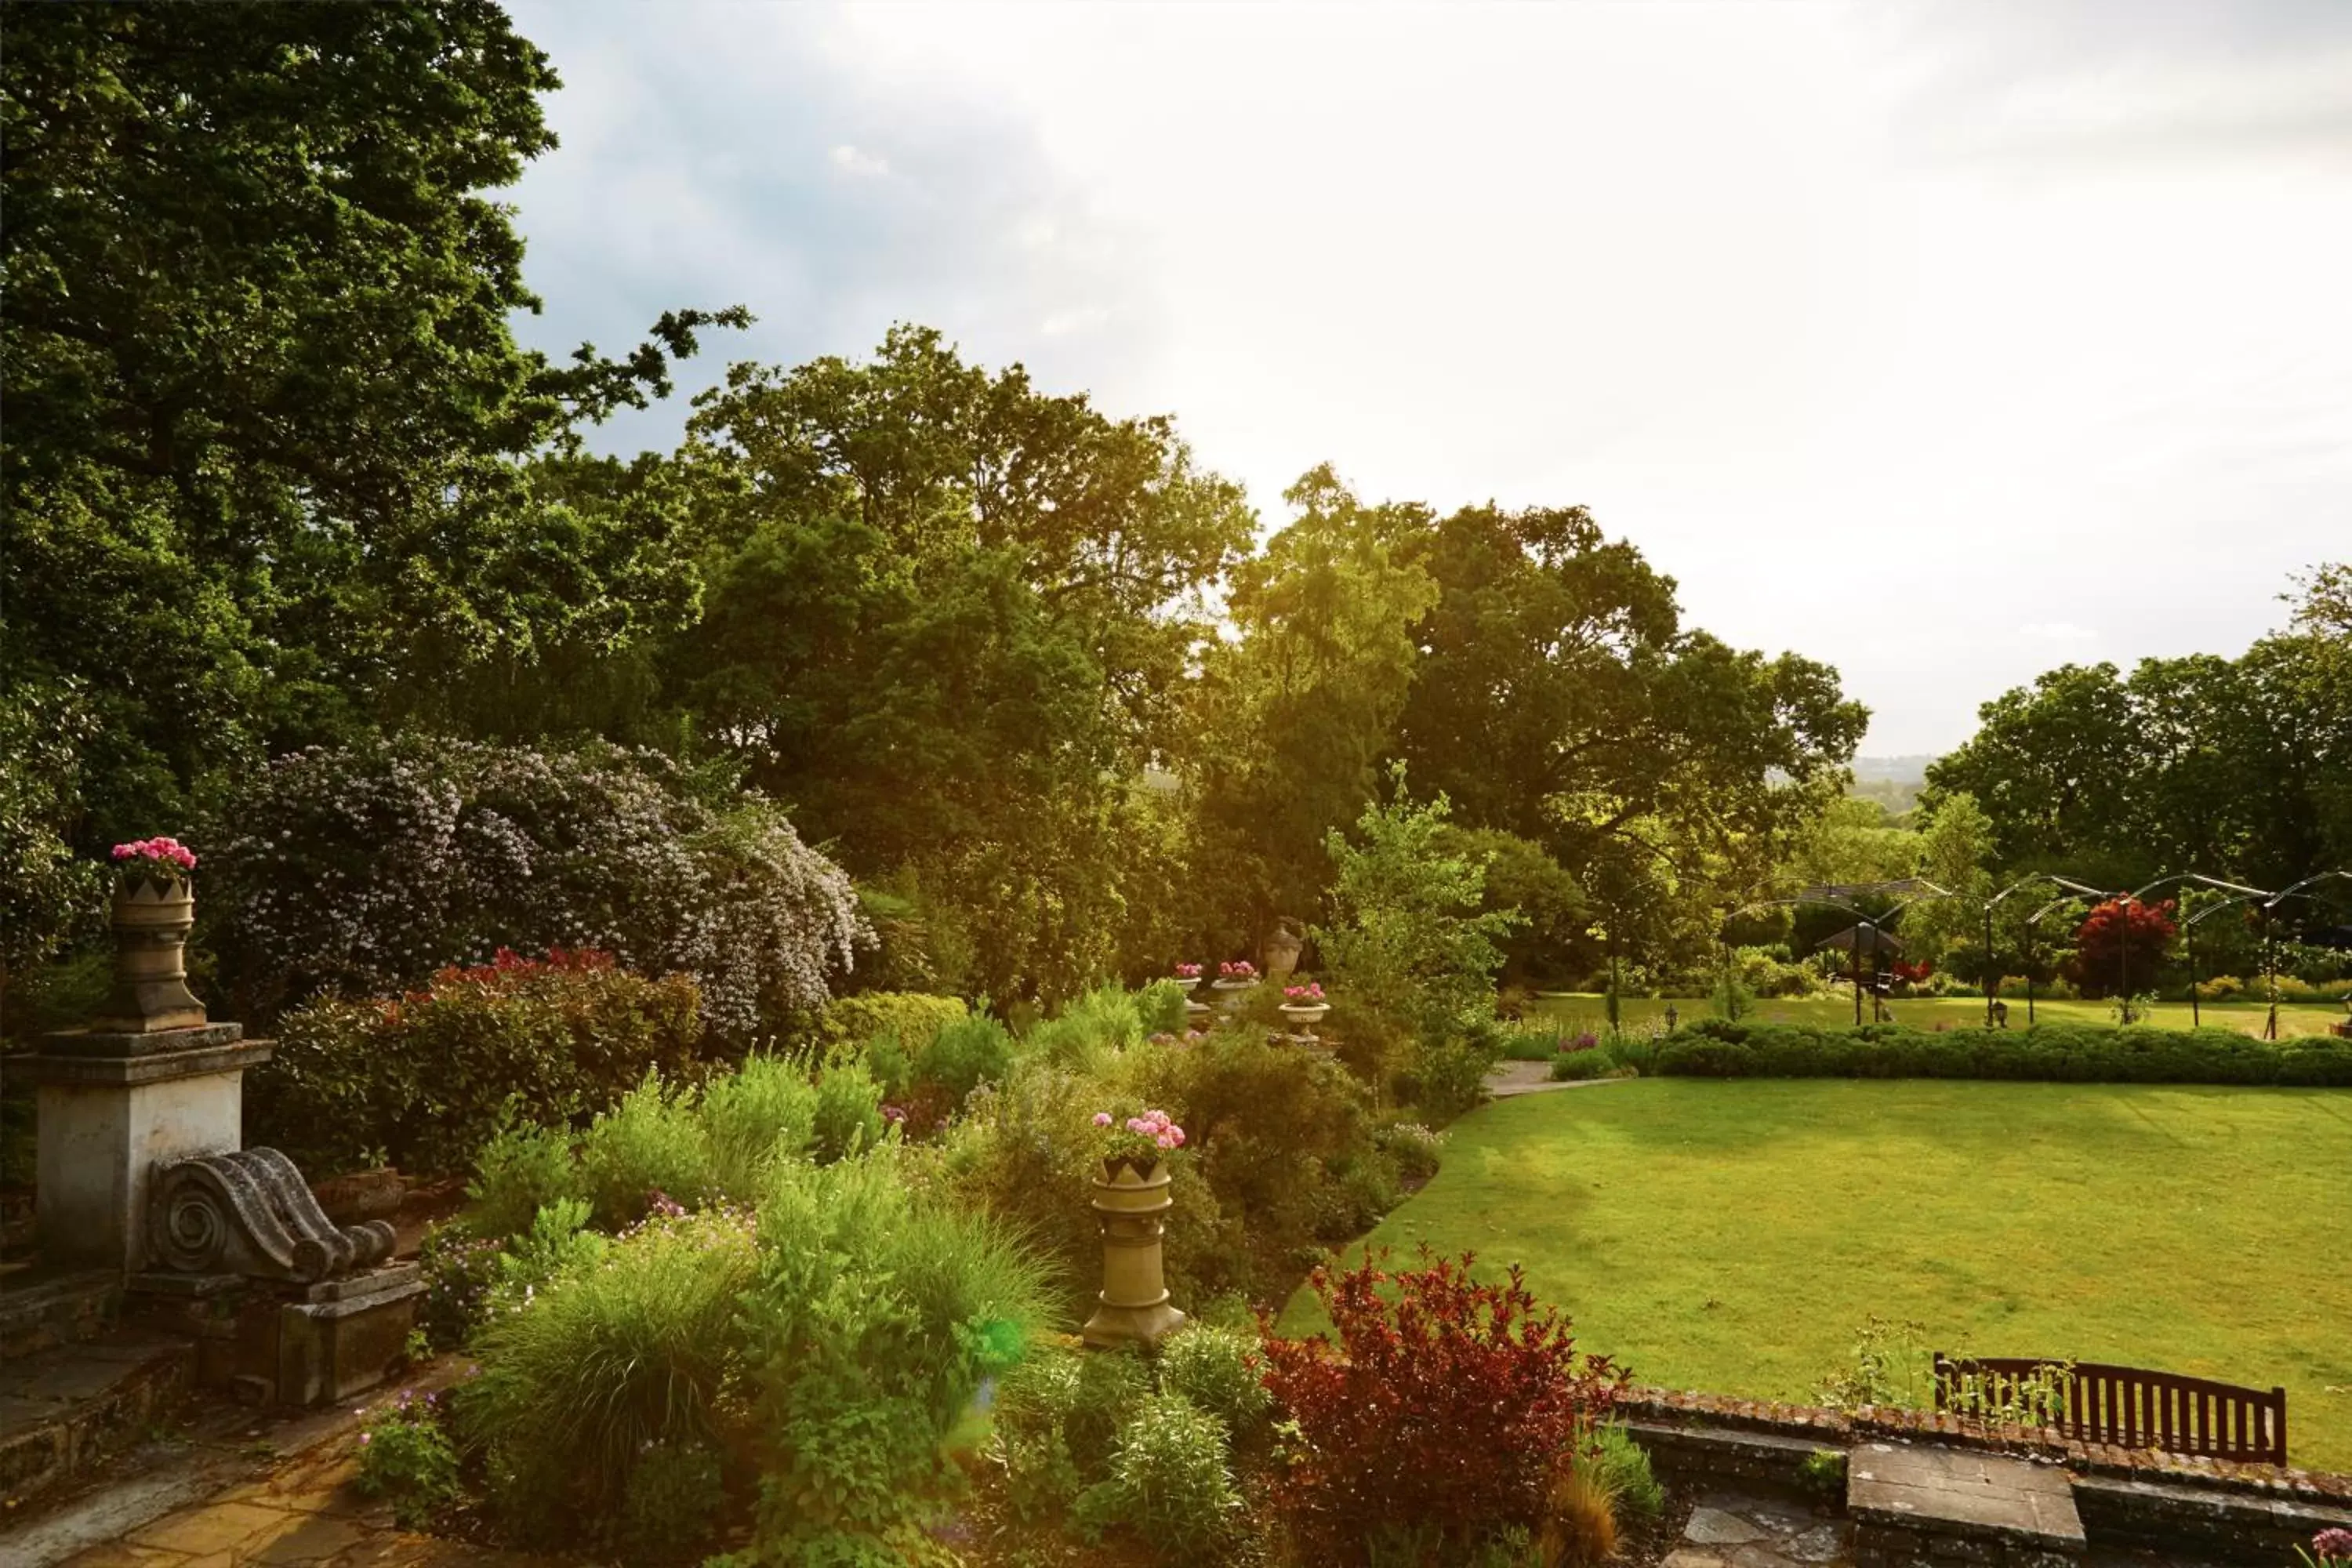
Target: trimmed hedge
914, 1016
2067, 1053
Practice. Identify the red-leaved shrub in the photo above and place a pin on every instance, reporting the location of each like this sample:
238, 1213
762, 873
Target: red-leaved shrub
423, 1082
1442, 1415
2121, 945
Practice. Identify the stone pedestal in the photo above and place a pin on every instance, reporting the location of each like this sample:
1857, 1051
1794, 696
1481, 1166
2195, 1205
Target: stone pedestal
1133, 1308
113, 1105
340, 1337
289, 1345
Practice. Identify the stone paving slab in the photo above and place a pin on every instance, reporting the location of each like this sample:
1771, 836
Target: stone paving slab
1739, 1529
1955, 1492
214, 1507
307, 1513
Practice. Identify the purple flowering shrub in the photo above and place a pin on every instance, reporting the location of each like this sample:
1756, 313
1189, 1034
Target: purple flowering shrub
363, 870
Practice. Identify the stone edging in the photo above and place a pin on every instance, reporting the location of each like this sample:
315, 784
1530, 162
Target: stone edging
1837, 1428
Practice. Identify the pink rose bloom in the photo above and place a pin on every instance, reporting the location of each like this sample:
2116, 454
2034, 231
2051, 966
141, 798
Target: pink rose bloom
1102, 1118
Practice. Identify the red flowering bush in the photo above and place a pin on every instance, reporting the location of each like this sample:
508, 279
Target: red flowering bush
1442, 1415
2121, 944
423, 1082
508, 971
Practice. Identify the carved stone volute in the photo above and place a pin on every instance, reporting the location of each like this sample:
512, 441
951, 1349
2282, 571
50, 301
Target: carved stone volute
250, 1212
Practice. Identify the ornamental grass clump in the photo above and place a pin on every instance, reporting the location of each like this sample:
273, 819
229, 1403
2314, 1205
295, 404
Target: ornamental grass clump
876, 1314
626, 1349
1440, 1417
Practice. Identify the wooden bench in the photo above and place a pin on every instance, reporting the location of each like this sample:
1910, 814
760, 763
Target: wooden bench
2128, 1408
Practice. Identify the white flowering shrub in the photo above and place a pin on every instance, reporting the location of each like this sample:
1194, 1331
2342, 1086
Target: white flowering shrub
364, 869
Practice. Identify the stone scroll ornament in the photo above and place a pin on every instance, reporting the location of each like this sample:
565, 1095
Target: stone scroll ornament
250, 1212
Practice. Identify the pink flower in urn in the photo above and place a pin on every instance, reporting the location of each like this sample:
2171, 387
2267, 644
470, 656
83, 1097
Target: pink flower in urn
161, 857
1307, 995
1139, 1139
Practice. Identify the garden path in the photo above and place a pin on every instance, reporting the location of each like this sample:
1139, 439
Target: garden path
1534, 1078
1734, 1530
209, 1504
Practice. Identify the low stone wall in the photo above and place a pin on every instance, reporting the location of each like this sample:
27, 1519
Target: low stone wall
1838, 1429
76, 1415
2126, 1497
1752, 1458
2169, 1514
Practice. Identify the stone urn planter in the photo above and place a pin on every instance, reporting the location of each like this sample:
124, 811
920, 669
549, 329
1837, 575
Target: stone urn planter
1282, 950
1133, 1307
1305, 1015
151, 918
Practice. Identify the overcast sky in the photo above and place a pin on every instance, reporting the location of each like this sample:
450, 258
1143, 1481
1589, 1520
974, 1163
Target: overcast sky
1946, 344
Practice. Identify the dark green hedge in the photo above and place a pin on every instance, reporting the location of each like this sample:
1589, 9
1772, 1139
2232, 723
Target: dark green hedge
2067, 1053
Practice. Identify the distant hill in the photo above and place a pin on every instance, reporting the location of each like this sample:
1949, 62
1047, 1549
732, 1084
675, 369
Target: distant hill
1891, 770
1893, 782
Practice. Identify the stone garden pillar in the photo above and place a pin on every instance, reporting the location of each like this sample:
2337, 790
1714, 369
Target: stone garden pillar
1133, 1308
150, 1081
143, 1169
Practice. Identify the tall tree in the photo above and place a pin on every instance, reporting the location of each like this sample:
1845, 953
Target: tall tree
264, 410
1296, 713
1561, 698
2232, 767
949, 617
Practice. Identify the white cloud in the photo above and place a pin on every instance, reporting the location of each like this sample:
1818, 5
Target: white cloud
1063, 322
859, 165
1888, 330
2058, 632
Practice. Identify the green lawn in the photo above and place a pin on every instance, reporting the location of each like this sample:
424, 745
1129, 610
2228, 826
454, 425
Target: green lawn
1731, 1235
1585, 1011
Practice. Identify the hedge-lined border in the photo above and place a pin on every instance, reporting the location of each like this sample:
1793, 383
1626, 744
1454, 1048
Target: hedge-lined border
2055, 1053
